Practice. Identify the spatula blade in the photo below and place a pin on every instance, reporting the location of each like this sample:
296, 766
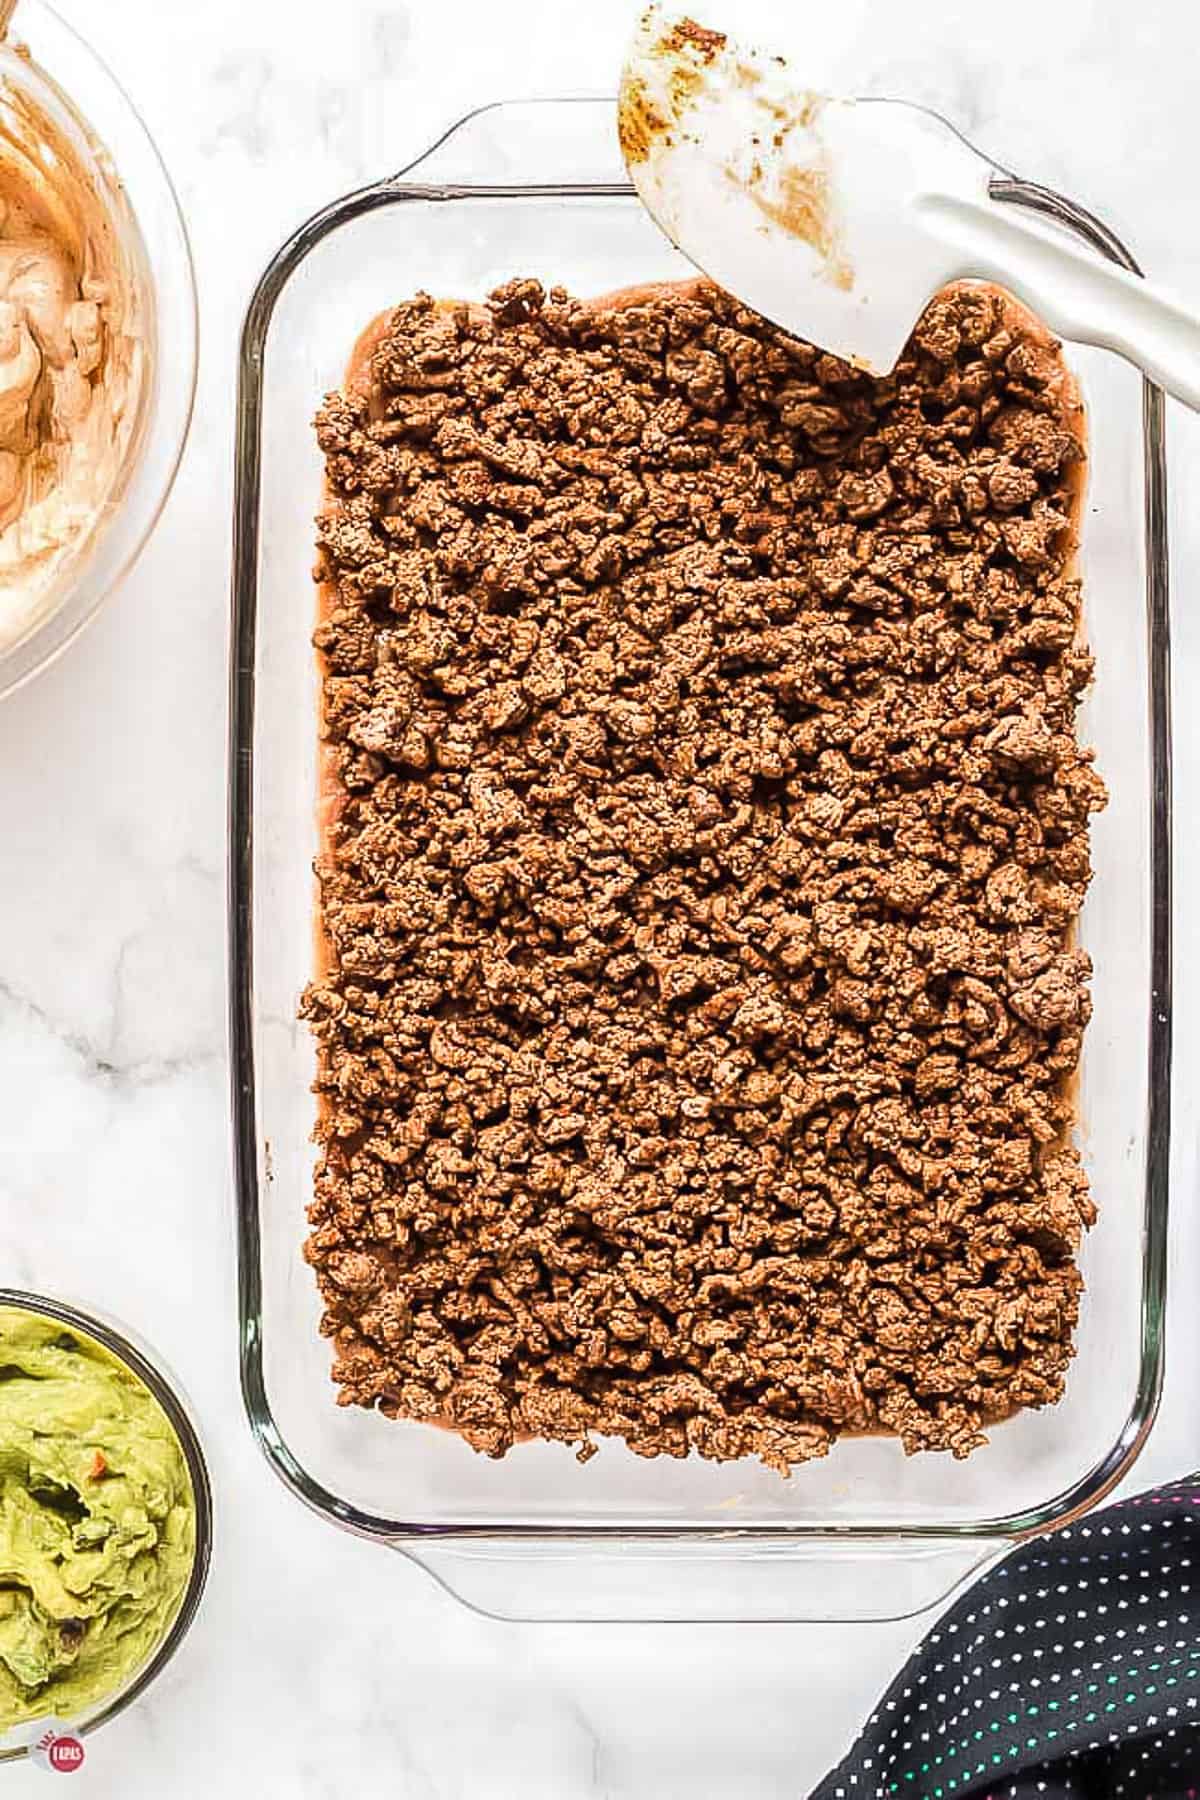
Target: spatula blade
807, 207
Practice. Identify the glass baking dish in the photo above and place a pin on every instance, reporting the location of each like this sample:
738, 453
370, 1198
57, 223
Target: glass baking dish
538, 187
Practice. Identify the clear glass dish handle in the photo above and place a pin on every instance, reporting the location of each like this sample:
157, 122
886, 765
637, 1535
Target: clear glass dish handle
523, 144
709, 1579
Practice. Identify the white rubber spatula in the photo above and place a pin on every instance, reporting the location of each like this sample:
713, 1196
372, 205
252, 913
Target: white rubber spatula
839, 219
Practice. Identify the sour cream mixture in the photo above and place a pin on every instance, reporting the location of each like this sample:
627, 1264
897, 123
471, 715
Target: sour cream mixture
72, 355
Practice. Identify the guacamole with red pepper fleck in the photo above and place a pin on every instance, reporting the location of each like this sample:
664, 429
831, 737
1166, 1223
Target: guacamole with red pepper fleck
97, 1520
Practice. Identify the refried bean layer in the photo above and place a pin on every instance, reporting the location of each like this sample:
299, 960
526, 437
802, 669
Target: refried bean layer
705, 832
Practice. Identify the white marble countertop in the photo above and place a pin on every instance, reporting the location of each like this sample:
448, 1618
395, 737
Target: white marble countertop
321, 1666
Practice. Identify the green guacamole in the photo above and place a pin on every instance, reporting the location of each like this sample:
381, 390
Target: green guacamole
97, 1520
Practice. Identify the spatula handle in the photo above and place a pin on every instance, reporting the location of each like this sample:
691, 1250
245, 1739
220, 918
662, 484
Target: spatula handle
1081, 297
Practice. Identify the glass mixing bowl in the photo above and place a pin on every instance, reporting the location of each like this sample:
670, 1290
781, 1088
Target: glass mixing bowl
144, 1365
45, 64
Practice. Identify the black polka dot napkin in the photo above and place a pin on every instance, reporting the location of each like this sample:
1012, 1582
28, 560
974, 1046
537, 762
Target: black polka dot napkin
1070, 1672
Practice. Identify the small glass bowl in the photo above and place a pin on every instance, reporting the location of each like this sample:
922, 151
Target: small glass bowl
148, 1369
47, 62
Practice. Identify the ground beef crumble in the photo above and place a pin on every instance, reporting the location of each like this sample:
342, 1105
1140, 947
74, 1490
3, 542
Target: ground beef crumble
707, 828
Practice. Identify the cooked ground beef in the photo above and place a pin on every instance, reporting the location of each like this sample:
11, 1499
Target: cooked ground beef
706, 832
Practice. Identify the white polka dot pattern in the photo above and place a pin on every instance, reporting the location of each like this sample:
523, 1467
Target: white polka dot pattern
1070, 1672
